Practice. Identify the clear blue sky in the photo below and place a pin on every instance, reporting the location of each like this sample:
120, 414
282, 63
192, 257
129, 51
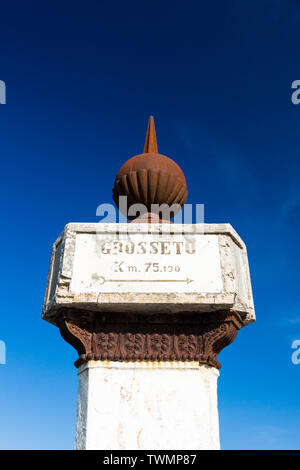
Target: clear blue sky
82, 79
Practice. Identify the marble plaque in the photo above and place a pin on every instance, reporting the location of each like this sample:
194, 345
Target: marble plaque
126, 267
144, 262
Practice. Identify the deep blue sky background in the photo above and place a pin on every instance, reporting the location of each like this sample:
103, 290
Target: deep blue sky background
82, 79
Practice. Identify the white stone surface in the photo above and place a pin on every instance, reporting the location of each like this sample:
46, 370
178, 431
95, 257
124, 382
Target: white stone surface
126, 267
146, 263
147, 405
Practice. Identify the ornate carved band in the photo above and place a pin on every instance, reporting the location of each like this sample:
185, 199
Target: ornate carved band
165, 337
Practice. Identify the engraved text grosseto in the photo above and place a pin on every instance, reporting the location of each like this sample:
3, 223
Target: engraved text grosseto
148, 247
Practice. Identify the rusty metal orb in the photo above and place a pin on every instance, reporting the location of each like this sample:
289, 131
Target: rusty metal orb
150, 178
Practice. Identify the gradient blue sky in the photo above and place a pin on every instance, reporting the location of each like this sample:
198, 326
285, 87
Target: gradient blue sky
82, 79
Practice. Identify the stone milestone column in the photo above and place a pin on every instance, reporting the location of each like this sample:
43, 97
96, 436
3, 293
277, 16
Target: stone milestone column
148, 306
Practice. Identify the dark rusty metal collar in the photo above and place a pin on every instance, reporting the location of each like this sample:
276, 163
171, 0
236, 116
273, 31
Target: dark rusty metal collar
156, 337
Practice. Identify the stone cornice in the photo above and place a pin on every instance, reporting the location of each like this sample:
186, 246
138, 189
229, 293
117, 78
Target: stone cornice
155, 337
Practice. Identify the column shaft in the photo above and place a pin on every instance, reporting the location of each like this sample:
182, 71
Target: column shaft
147, 405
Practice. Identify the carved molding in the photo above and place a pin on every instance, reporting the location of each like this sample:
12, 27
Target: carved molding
165, 337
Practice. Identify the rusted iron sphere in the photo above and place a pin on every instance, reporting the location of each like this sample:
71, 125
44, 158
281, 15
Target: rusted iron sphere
150, 178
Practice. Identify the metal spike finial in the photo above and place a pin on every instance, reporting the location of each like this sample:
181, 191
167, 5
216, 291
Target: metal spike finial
151, 142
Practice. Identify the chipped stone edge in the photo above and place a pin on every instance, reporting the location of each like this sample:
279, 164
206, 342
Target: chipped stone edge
146, 365
153, 300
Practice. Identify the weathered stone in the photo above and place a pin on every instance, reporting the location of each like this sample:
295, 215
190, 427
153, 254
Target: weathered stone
149, 268
147, 405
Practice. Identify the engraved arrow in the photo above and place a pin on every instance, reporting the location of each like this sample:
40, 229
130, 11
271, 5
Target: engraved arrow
102, 280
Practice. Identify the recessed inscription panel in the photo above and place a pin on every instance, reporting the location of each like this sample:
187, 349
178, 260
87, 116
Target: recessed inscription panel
124, 268
143, 262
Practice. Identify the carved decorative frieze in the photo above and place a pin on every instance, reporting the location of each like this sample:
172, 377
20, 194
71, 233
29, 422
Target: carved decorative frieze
129, 337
